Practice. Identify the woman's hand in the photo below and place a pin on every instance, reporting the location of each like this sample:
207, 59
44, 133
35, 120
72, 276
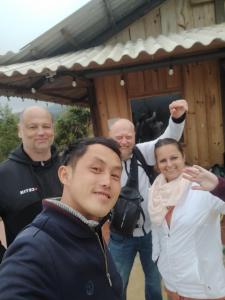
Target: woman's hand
207, 181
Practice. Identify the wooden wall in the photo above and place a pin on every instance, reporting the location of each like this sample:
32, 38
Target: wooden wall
113, 99
171, 16
199, 83
153, 82
204, 128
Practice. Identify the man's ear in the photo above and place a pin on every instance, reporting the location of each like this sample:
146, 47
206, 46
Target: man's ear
19, 131
64, 173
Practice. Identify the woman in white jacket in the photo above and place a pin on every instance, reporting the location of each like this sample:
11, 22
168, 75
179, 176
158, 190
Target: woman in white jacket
186, 230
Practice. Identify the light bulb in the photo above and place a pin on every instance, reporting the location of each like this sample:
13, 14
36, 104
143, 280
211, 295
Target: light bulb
122, 82
74, 83
33, 91
171, 71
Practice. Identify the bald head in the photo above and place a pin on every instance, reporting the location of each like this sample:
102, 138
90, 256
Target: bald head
33, 110
121, 123
124, 133
36, 131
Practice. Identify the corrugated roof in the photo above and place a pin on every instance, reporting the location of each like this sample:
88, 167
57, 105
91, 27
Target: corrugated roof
101, 55
89, 26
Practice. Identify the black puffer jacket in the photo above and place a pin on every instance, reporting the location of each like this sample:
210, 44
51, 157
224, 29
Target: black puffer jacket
23, 184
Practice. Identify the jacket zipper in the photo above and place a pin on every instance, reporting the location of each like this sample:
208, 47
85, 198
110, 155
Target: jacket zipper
105, 258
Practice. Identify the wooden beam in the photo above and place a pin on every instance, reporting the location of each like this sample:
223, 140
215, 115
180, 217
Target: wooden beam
129, 19
197, 2
55, 95
109, 13
68, 37
93, 109
11, 91
110, 31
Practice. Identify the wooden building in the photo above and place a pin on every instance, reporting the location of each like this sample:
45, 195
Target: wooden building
175, 49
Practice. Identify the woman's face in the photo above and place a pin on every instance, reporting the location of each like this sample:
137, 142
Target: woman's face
170, 161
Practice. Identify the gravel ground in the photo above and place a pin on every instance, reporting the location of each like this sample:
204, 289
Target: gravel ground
136, 283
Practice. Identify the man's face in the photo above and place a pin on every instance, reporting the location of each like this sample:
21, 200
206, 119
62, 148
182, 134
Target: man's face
124, 134
92, 186
36, 131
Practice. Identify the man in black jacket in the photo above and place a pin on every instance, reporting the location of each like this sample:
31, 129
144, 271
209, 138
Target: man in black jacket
30, 172
62, 254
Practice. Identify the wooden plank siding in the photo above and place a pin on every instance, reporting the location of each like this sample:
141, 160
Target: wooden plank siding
214, 111
204, 128
191, 137
171, 16
199, 83
111, 100
168, 17
153, 82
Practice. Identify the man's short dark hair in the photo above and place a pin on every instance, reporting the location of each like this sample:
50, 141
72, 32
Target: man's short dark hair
78, 148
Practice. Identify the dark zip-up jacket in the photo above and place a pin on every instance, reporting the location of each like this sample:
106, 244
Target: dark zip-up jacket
23, 185
59, 257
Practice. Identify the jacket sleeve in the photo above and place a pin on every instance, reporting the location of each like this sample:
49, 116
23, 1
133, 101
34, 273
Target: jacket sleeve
26, 272
219, 191
174, 130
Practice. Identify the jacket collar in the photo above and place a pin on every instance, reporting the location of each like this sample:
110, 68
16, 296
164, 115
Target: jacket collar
55, 202
21, 156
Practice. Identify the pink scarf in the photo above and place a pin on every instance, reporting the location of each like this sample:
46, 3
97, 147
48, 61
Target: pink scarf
163, 194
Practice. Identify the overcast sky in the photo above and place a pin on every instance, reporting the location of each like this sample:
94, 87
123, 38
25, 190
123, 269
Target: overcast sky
21, 21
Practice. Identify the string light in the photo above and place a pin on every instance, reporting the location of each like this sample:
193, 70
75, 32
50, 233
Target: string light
74, 83
171, 70
122, 81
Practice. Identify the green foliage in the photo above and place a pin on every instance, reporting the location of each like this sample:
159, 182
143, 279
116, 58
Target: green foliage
8, 131
73, 124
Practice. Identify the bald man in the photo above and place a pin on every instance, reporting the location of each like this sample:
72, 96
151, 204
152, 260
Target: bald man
30, 172
124, 248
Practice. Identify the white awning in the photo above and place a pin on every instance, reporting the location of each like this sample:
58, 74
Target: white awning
101, 56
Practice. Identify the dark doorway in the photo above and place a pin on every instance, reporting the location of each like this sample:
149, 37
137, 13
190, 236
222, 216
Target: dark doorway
150, 116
